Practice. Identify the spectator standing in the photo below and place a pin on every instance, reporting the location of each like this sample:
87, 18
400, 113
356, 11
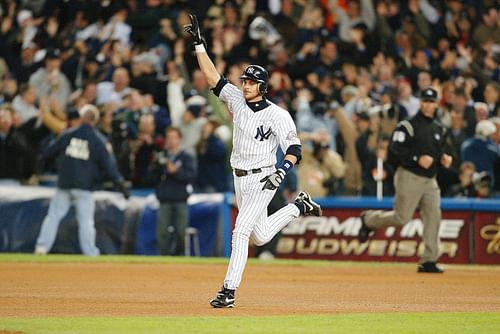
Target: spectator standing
24, 103
50, 81
84, 158
465, 186
191, 127
174, 171
320, 170
16, 155
115, 91
481, 150
212, 161
142, 150
489, 29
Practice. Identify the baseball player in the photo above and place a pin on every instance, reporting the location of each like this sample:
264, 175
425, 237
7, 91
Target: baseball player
83, 160
259, 127
418, 149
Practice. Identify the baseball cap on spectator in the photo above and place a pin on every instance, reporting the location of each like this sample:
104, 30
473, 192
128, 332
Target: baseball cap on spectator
360, 26
196, 99
195, 109
363, 115
402, 79
429, 94
23, 15
73, 114
338, 74
349, 90
214, 12
480, 105
52, 53
28, 45
319, 108
147, 58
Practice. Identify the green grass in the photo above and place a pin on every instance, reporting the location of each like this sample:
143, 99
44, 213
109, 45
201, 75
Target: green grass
75, 258
401, 323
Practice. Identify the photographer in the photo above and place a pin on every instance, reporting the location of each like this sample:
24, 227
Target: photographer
174, 171
483, 184
465, 187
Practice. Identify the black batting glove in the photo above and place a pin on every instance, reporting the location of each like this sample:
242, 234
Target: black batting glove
274, 180
194, 30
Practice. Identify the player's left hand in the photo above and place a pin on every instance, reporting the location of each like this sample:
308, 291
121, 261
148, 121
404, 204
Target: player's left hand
274, 180
194, 29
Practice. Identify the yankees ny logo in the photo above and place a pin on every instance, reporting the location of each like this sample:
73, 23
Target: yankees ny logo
263, 135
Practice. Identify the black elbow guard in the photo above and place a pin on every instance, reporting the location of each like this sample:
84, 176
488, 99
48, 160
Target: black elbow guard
295, 150
220, 84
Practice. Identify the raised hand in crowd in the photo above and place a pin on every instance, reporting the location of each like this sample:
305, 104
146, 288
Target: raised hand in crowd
52, 26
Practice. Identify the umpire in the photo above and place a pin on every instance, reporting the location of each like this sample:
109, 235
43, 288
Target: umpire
417, 149
84, 159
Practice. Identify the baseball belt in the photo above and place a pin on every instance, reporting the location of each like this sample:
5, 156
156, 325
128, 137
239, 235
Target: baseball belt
242, 172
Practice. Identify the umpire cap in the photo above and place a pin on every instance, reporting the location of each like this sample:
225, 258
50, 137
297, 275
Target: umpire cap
429, 94
255, 73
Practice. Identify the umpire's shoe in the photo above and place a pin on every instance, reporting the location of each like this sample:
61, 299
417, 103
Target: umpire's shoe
364, 232
311, 208
429, 267
224, 299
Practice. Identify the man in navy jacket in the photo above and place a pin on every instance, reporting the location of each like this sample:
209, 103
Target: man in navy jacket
84, 158
174, 171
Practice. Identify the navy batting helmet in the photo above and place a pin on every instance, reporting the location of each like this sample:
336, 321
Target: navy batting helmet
257, 73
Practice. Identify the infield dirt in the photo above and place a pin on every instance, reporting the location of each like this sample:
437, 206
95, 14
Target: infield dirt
109, 289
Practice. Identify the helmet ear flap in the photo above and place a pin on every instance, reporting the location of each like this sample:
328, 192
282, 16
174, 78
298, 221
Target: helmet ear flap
262, 88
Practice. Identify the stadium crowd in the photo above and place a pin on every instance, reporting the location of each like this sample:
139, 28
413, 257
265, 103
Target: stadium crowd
348, 71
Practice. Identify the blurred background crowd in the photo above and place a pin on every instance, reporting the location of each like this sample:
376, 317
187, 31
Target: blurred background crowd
347, 70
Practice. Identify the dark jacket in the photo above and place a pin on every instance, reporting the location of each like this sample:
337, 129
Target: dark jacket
416, 137
83, 160
483, 153
174, 187
16, 156
212, 166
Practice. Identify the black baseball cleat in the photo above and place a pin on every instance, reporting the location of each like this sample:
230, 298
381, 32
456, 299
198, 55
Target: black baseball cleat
429, 267
311, 208
364, 232
223, 299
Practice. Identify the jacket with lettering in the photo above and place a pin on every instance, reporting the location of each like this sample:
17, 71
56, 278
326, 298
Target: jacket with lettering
83, 159
415, 137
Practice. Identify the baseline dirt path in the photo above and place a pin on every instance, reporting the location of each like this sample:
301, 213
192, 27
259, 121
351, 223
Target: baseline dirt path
103, 289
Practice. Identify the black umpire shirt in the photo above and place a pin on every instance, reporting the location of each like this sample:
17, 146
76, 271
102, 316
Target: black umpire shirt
415, 137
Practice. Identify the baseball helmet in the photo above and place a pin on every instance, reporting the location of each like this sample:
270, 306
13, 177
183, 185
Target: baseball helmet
259, 74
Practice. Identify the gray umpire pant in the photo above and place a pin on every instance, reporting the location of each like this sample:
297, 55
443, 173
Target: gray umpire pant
411, 191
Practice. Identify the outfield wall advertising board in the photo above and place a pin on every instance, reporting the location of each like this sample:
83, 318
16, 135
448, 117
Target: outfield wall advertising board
469, 233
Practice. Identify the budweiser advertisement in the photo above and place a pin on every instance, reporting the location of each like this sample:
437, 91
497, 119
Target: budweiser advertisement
466, 235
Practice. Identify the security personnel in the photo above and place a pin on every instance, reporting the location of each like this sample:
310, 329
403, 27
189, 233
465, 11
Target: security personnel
417, 149
84, 159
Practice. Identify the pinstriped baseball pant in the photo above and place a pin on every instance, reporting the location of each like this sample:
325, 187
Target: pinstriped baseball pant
253, 222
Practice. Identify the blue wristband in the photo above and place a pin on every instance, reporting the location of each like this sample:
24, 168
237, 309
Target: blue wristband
286, 165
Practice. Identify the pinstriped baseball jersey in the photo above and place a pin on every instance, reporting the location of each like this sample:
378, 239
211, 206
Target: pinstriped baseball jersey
257, 134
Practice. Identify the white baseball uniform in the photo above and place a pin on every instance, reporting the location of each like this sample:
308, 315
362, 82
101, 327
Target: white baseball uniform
256, 136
